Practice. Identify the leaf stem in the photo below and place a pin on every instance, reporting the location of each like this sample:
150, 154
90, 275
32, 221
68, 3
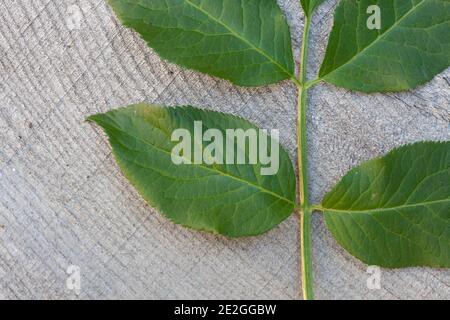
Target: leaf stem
305, 211
317, 207
297, 82
312, 83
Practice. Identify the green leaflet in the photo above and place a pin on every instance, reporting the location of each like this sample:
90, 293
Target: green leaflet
309, 6
412, 46
244, 41
233, 200
395, 211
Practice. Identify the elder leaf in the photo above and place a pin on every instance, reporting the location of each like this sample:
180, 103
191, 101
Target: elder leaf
394, 211
230, 199
412, 46
247, 42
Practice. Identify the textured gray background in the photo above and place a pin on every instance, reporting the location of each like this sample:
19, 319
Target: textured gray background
64, 202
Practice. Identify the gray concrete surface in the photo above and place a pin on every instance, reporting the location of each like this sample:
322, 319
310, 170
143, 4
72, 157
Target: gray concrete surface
64, 202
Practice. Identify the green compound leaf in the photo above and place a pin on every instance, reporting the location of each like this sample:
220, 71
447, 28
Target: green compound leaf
309, 6
231, 199
412, 46
247, 42
395, 211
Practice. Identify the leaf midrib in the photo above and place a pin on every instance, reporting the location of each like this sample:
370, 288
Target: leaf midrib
237, 35
262, 189
394, 25
376, 210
